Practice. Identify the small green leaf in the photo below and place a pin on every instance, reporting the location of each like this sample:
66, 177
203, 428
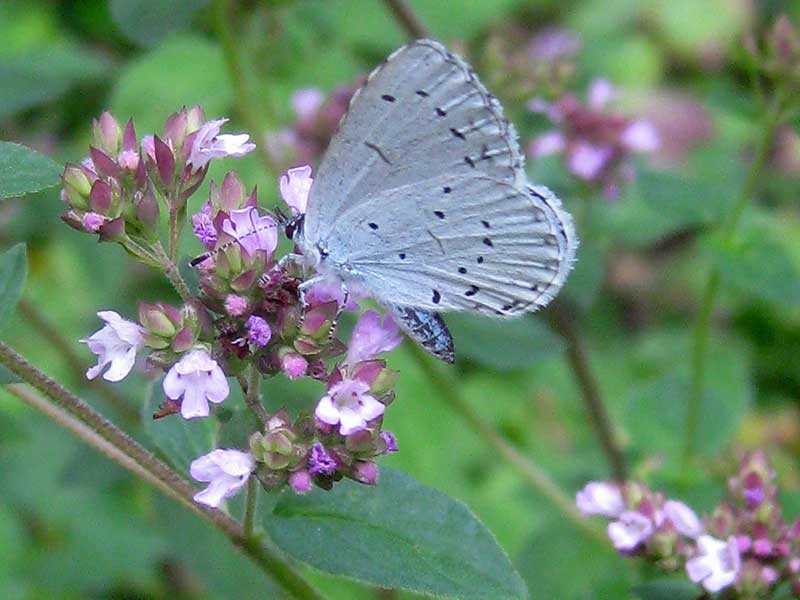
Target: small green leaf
23, 171
667, 589
13, 272
149, 21
399, 534
503, 345
181, 440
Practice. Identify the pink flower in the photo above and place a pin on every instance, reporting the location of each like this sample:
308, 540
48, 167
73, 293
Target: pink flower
235, 305
294, 365
716, 564
683, 518
227, 471
300, 481
630, 530
208, 144
199, 380
295, 187
330, 289
640, 136
252, 231
349, 405
93, 221
116, 344
600, 498
306, 102
371, 337
258, 331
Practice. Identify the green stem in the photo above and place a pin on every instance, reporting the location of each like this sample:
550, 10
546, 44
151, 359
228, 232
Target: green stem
172, 273
703, 323
251, 504
224, 13
534, 476
407, 19
252, 395
72, 412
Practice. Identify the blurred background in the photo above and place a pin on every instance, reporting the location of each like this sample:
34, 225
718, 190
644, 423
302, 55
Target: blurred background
666, 84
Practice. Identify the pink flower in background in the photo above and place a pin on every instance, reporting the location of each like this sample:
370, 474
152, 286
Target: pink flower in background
295, 186
116, 345
198, 380
208, 143
630, 530
716, 564
372, 337
252, 231
349, 405
600, 498
683, 518
597, 143
226, 471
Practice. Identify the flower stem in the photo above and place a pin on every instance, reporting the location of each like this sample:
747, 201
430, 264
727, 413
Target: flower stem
533, 475
172, 273
578, 361
72, 412
251, 504
703, 323
408, 19
252, 395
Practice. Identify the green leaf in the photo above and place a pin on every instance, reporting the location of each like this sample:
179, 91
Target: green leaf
758, 262
195, 71
23, 171
149, 21
667, 589
43, 75
181, 440
13, 272
399, 534
558, 562
7, 376
503, 345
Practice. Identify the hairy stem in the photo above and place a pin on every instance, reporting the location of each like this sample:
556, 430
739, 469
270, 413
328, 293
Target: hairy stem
703, 323
533, 475
252, 395
578, 361
251, 504
72, 412
66, 350
407, 19
172, 273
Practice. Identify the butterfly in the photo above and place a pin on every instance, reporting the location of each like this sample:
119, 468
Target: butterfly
422, 200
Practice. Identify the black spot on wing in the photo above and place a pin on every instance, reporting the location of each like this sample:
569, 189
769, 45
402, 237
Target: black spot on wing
422, 93
488, 242
402, 255
437, 297
486, 224
441, 112
388, 98
457, 133
473, 289
373, 226
439, 214
462, 270
447, 189
469, 161
480, 260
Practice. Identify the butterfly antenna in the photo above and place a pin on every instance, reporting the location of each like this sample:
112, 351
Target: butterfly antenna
254, 230
339, 312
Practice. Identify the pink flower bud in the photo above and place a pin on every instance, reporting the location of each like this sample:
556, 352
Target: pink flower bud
107, 133
235, 305
300, 481
366, 473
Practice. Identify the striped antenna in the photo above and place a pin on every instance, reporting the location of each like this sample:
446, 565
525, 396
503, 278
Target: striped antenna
212, 253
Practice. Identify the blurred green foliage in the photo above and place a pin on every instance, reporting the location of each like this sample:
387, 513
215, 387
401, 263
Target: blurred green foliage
74, 525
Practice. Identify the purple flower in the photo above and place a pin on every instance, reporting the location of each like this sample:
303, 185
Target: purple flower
227, 471
320, 462
349, 405
204, 228
294, 365
716, 564
391, 442
199, 380
330, 289
208, 143
258, 331
295, 186
128, 159
116, 344
600, 498
252, 231
235, 305
366, 473
683, 518
630, 530
300, 481
371, 337
93, 221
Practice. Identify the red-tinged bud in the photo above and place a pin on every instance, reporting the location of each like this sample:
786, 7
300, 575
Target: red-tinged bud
147, 213
317, 321
245, 281
361, 441
129, 138
165, 161
183, 340
104, 164
231, 193
77, 186
195, 117
107, 133
100, 197
366, 473
385, 382
155, 320
175, 127
113, 230
368, 370
306, 346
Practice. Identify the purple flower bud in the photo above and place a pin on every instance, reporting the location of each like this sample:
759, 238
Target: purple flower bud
293, 365
366, 473
762, 547
371, 337
165, 161
92, 222
128, 160
147, 211
183, 340
231, 193
300, 481
104, 164
630, 530
100, 197
753, 492
77, 186
129, 137
113, 230
176, 127
107, 133
235, 305
258, 331
600, 498
204, 228
391, 442
320, 462
744, 543
683, 518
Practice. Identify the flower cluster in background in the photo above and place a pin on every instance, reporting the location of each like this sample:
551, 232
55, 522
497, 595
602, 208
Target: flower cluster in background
743, 545
253, 315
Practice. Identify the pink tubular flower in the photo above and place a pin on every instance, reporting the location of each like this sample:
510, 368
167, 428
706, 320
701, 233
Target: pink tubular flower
227, 471
199, 380
716, 564
600, 498
252, 231
683, 518
295, 186
371, 337
208, 143
349, 405
116, 344
630, 530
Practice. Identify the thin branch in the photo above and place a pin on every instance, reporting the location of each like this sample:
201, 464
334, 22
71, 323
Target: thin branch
252, 395
408, 19
172, 273
578, 361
